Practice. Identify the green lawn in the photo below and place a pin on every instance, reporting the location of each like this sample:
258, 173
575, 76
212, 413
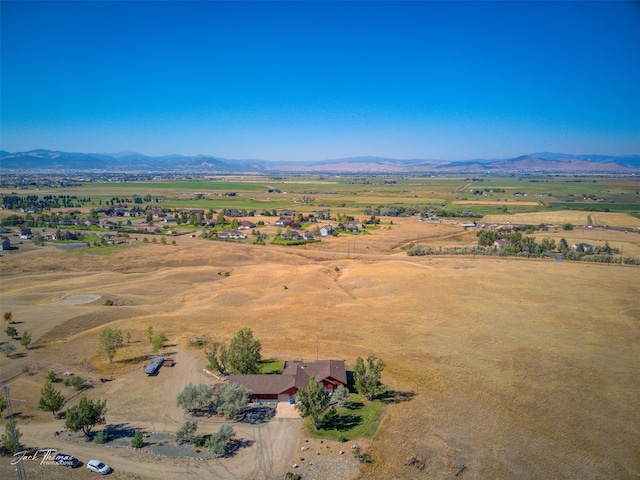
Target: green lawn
359, 419
271, 366
106, 250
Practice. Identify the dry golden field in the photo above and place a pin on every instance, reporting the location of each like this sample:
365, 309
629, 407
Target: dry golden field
600, 219
511, 369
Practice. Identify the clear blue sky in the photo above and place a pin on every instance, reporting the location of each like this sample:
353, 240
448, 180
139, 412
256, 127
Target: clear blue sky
317, 80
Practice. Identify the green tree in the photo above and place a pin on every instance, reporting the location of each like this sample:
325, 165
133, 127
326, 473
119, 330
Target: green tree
187, 432
194, 397
11, 440
128, 336
243, 355
11, 331
312, 401
150, 333
563, 246
7, 348
220, 441
25, 339
234, 224
567, 226
110, 341
367, 376
217, 356
86, 415
548, 244
232, 398
158, 341
486, 238
341, 396
3, 404
137, 441
51, 400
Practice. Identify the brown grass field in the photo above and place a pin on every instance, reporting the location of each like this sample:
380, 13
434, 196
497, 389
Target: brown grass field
613, 219
511, 368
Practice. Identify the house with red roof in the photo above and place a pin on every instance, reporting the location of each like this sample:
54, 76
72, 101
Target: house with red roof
295, 375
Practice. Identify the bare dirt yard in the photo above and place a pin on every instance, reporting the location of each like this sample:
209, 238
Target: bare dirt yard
504, 368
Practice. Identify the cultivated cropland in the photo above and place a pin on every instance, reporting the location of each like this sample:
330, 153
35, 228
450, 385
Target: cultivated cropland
498, 366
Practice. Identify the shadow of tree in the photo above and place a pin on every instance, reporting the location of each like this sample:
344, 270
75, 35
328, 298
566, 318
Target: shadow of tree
119, 430
257, 415
333, 421
234, 445
394, 396
133, 360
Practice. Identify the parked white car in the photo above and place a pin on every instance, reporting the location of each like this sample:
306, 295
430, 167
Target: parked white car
98, 467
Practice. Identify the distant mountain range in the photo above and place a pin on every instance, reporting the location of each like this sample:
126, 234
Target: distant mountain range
542, 162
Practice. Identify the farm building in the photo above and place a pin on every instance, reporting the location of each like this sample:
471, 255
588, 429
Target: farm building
296, 374
585, 247
501, 243
234, 234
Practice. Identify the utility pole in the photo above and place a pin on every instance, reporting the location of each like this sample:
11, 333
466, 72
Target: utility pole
19, 467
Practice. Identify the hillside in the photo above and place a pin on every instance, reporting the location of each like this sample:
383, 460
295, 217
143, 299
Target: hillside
47, 160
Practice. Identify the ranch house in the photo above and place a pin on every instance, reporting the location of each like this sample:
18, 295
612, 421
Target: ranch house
296, 374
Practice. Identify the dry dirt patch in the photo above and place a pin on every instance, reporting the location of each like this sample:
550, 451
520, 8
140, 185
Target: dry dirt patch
79, 299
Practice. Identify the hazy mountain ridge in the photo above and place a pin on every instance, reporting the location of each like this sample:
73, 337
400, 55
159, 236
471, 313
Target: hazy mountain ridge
542, 162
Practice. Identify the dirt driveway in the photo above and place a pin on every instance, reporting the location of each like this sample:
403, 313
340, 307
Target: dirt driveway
270, 446
268, 457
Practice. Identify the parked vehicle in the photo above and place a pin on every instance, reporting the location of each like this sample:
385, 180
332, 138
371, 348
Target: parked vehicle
98, 467
66, 460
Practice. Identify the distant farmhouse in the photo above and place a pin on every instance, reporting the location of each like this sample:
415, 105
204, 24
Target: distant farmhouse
296, 374
326, 230
232, 234
585, 247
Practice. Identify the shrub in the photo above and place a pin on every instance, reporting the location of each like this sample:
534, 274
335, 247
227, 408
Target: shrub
137, 441
362, 457
199, 341
100, 437
76, 382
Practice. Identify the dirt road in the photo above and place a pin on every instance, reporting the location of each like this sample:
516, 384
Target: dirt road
267, 457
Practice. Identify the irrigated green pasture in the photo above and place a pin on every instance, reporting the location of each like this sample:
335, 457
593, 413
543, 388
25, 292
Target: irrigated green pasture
352, 194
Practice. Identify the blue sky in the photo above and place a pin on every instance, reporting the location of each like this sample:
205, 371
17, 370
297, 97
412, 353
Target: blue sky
318, 80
